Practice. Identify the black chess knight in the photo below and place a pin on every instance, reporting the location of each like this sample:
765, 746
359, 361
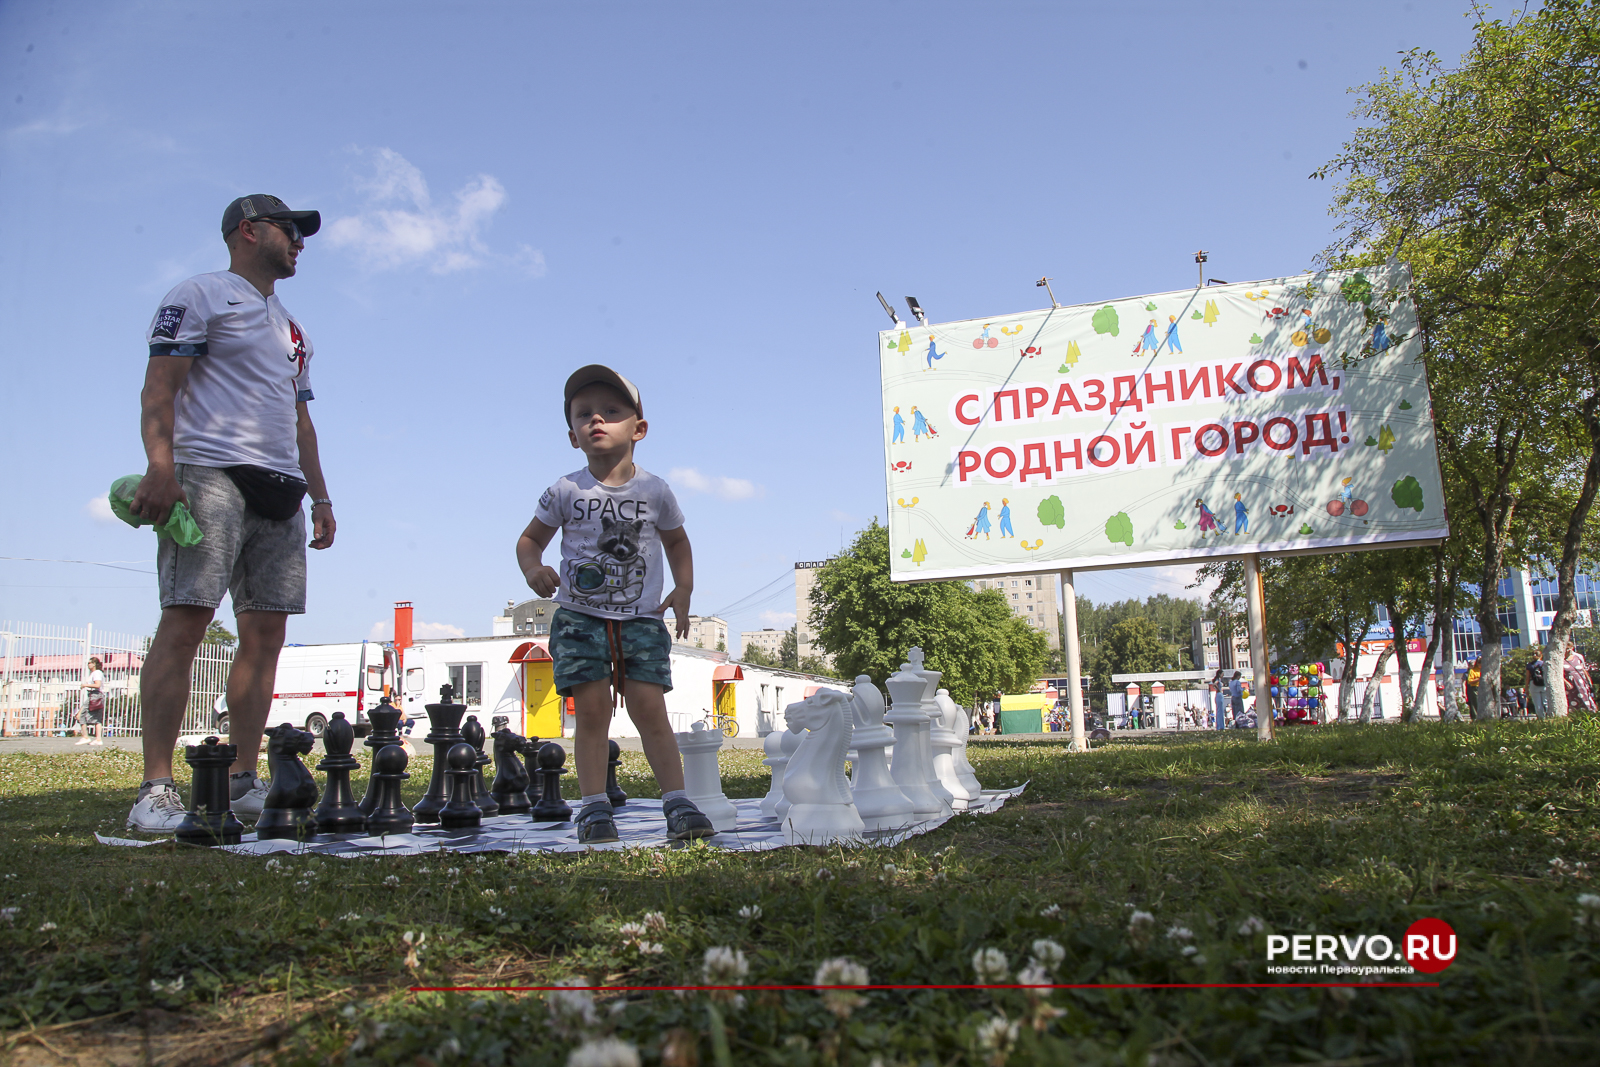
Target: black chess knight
510, 789
287, 811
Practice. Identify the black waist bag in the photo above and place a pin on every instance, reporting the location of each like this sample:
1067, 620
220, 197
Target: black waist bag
267, 493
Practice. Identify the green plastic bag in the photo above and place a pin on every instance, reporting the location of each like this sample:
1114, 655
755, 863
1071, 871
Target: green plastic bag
180, 525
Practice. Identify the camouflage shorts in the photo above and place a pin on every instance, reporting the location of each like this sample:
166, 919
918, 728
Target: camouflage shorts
582, 653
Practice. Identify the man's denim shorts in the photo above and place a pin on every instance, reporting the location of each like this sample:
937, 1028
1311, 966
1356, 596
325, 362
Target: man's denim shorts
582, 653
261, 563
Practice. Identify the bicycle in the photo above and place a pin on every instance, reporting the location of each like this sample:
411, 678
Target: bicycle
718, 721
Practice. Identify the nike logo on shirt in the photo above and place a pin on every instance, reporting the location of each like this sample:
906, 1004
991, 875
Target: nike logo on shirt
233, 302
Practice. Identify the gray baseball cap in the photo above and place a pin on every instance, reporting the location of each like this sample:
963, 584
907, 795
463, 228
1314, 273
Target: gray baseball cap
597, 372
267, 206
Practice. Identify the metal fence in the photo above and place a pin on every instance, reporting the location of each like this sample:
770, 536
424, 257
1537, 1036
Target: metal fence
43, 668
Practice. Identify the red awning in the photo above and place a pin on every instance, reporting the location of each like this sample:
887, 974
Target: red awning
530, 652
727, 672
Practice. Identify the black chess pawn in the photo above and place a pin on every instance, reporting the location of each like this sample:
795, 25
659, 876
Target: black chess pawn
551, 808
472, 733
211, 820
286, 813
510, 789
339, 813
444, 733
389, 814
530, 757
460, 811
385, 719
614, 791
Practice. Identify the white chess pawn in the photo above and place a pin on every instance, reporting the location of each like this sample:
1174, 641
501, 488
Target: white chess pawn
790, 744
881, 803
930, 708
776, 759
702, 776
821, 808
911, 768
945, 743
961, 723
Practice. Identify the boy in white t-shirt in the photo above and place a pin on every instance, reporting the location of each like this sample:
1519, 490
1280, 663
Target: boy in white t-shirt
609, 632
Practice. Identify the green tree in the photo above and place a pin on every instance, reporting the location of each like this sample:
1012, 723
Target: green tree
867, 623
789, 651
818, 665
218, 634
1133, 646
756, 656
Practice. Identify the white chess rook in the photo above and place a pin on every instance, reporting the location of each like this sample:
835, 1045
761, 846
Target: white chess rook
930, 708
962, 720
910, 767
702, 776
881, 804
945, 744
821, 809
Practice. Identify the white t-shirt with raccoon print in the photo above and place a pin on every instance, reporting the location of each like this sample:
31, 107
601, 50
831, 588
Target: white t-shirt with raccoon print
611, 559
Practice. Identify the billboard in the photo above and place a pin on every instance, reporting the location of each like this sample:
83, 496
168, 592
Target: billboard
1282, 416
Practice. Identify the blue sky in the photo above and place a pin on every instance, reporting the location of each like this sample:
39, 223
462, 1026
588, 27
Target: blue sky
705, 196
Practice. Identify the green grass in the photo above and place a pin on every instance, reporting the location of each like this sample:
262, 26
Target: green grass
1343, 830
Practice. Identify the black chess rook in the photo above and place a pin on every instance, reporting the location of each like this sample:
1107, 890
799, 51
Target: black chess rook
460, 812
211, 820
339, 813
286, 814
614, 791
510, 789
444, 733
389, 814
551, 808
472, 733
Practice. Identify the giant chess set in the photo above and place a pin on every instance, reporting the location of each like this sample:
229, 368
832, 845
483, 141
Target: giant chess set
908, 758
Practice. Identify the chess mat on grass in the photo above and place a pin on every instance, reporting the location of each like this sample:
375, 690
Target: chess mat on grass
640, 824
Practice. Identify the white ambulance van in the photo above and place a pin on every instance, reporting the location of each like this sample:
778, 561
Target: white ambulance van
314, 681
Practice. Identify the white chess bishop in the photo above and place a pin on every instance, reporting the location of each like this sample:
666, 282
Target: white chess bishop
945, 744
881, 804
961, 721
821, 807
702, 776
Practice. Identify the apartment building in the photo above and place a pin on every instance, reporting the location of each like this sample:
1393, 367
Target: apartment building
1033, 598
768, 640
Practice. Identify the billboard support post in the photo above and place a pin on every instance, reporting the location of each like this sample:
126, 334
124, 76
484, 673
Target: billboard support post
1069, 615
1256, 612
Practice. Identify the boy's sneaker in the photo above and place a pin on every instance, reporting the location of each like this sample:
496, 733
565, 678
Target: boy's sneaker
247, 794
158, 811
595, 826
685, 821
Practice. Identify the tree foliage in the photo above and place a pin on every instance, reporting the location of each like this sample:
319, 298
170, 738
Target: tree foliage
866, 623
218, 634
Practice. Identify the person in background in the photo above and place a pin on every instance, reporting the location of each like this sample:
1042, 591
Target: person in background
1236, 694
93, 711
1534, 676
1575, 673
1219, 689
1474, 676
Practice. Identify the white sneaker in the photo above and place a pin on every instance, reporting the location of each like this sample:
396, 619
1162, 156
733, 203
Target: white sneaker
255, 798
83, 740
97, 741
158, 811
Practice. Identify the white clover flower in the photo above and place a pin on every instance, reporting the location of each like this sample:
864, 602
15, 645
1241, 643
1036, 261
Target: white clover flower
496, 912
413, 948
629, 931
724, 966
46, 927
350, 917
655, 921
1034, 974
1179, 933
1251, 926
1140, 922
991, 965
174, 986
1199, 960
649, 948
889, 868
837, 972
1189, 950
571, 1010
1053, 911
1048, 954
605, 1052
997, 1036
1590, 901
274, 864
750, 911
393, 879
490, 893
824, 875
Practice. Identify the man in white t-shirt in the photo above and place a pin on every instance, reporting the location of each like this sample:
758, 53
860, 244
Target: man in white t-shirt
227, 431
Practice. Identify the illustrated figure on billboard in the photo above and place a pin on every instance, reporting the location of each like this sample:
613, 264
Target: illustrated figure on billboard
933, 352
1173, 344
899, 428
1380, 339
1241, 515
1208, 519
919, 425
980, 525
1005, 518
1148, 342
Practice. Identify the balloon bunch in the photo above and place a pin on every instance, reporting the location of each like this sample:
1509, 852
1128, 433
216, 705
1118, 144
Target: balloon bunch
1297, 689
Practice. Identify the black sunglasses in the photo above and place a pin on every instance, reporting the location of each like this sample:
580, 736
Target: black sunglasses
290, 229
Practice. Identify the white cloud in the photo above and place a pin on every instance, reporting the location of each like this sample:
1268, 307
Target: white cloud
383, 630
403, 227
715, 484
99, 509
778, 620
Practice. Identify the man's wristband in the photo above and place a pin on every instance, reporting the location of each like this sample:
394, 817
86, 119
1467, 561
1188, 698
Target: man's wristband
322, 500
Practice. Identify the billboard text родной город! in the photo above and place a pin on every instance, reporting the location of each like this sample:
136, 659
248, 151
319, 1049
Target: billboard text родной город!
1279, 417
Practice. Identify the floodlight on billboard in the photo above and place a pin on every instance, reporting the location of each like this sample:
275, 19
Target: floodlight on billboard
1276, 417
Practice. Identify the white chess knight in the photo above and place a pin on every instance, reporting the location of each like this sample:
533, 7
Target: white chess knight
702, 776
959, 720
912, 765
930, 708
881, 804
945, 744
821, 808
